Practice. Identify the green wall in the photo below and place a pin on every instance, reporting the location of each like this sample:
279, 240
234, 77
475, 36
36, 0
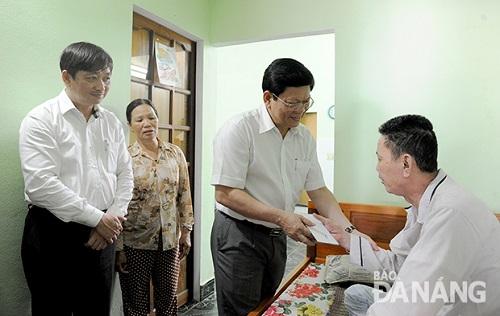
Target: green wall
436, 58
392, 57
34, 33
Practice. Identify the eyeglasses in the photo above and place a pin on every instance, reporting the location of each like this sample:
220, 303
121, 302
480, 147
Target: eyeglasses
297, 105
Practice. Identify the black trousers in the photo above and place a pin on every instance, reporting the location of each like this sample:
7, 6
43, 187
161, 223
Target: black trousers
249, 264
64, 276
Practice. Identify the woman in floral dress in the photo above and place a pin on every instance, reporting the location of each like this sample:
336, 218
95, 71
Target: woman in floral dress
156, 234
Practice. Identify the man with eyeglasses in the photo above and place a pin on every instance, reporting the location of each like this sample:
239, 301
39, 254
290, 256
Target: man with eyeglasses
263, 159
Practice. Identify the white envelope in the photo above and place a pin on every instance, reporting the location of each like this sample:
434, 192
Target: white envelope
319, 231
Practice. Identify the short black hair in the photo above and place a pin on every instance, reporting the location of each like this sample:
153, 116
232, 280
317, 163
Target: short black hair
414, 135
286, 72
135, 103
84, 56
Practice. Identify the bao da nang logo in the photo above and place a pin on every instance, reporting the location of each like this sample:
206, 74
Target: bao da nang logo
427, 291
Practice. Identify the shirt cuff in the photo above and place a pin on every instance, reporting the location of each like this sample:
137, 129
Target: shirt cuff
113, 209
90, 216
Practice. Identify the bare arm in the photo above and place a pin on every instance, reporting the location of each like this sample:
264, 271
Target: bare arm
293, 225
327, 205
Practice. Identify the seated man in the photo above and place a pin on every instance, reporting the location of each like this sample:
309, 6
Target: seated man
447, 258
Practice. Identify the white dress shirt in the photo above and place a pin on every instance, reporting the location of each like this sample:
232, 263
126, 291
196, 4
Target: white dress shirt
250, 154
451, 238
72, 167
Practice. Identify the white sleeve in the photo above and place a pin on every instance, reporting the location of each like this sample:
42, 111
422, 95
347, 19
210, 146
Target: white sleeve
446, 253
362, 253
231, 157
125, 179
40, 162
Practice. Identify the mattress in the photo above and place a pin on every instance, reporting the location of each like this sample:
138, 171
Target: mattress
308, 294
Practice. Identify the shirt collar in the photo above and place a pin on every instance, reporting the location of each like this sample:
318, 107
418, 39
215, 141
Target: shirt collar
425, 200
66, 105
266, 122
136, 149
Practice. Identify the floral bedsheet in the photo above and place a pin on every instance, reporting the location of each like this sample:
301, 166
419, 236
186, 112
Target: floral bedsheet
307, 295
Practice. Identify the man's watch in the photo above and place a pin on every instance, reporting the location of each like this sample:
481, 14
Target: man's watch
350, 229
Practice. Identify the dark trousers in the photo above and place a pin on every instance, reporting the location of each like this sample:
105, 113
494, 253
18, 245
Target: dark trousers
159, 266
64, 276
249, 264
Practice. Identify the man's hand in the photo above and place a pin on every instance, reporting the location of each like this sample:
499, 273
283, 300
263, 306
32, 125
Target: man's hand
295, 226
110, 227
121, 262
96, 241
340, 235
343, 237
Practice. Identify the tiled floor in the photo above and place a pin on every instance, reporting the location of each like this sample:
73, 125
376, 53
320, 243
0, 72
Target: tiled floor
206, 307
296, 252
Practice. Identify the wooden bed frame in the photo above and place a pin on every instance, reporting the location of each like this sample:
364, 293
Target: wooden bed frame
380, 222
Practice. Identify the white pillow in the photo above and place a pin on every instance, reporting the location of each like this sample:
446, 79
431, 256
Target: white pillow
338, 268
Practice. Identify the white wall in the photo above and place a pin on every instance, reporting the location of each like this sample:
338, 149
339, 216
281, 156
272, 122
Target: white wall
236, 77
240, 69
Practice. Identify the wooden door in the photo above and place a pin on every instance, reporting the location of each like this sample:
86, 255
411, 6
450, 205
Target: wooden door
163, 71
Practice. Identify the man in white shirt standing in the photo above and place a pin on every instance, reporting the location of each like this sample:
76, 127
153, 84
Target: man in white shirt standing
263, 159
446, 260
78, 181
